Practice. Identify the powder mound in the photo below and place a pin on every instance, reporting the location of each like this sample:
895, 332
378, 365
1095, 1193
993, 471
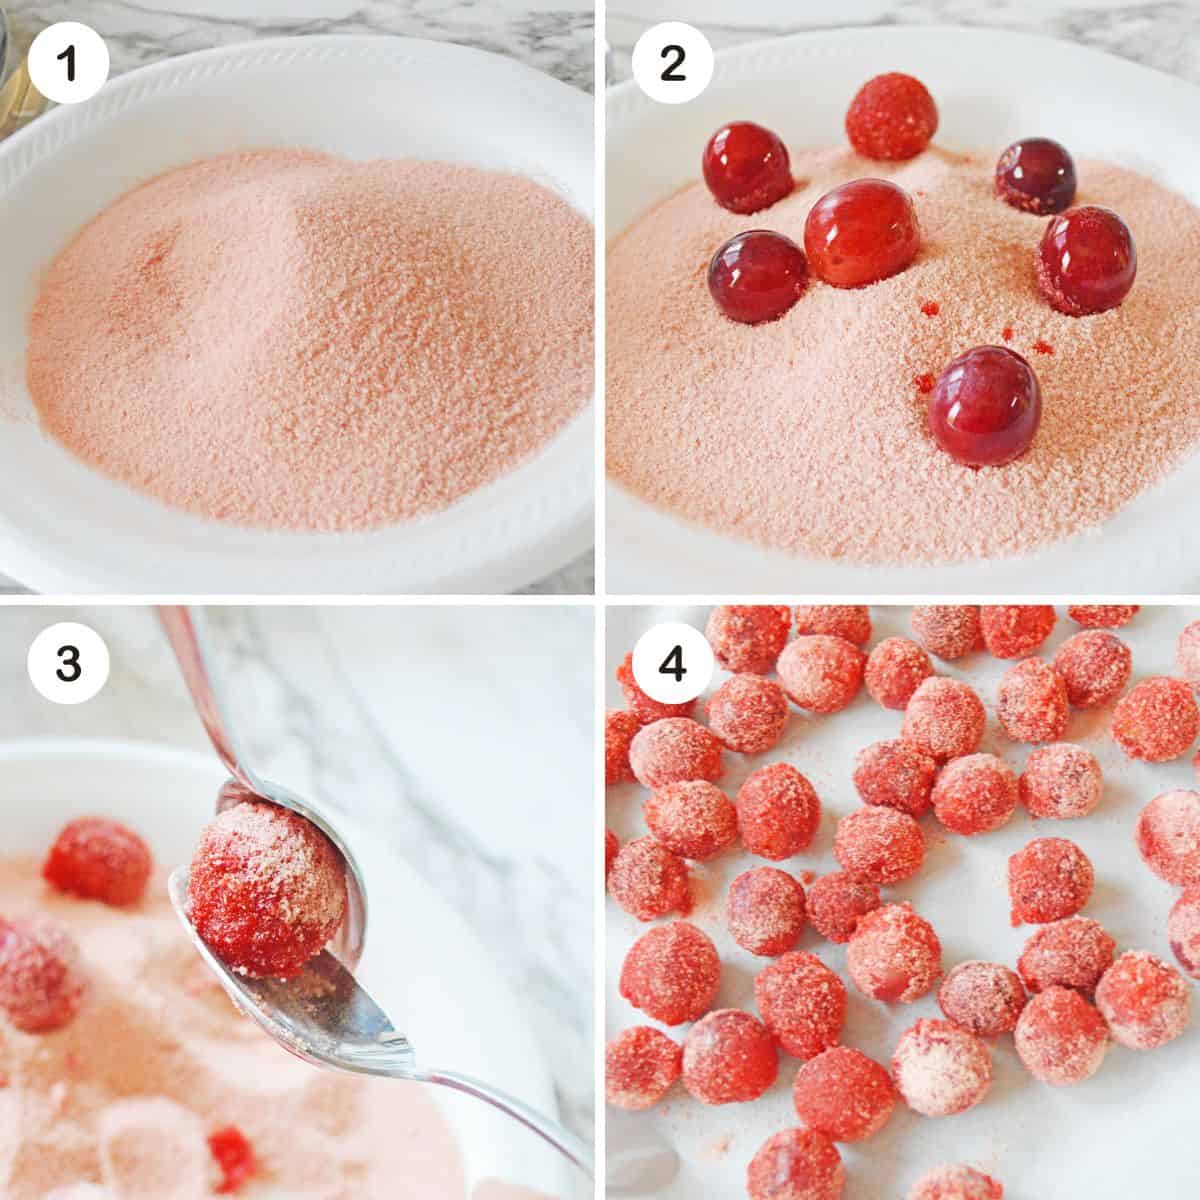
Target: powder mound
267, 889
794, 444
374, 339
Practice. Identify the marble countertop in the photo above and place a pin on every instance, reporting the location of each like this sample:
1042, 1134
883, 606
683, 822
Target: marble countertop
1158, 33
555, 36
469, 754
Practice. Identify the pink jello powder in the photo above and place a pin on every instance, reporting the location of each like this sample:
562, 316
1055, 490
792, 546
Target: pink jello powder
290, 340
809, 434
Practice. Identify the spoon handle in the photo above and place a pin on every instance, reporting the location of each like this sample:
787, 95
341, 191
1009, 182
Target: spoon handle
179, 624
570, 1145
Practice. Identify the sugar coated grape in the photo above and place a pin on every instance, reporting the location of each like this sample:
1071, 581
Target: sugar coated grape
267, 889
640, 1065
896, 775
748, 637
1146, 1002
729, 1057
975, 794
41, 985
940, 1069
796, 1164
1183, 930
894, 955
619, 730
956, 1181
648, 881
944, 719
1102, 616
672, 973
896, 667
880, 845
748, 713
1014, 630
984, 998
843, 1094
764, 911
1060, 1037
1049, 879
693, 819
1061, 781
802, 1002
674, 750
778, 812
1167, 834
891, 118
821, 673
849, 621
1156, 720
1095, 667
1032, 702
99, 859
1072, 953
837, 901
948, 631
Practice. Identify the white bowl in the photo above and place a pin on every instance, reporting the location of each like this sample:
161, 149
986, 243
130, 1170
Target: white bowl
992, 87
422, 963
65, 527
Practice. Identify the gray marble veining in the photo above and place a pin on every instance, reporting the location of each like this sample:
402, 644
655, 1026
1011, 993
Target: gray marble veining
461, 735
554, 36
1158, 33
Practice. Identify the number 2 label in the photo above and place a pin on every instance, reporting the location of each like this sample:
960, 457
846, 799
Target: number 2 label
672, 62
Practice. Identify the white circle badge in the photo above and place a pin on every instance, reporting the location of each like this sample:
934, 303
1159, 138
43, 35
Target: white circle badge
672, 662
672, 62
68, 663
68, 62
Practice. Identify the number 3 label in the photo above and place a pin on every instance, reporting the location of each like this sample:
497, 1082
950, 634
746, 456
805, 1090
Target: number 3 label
672, 662
68, 62
672, 62
68, 663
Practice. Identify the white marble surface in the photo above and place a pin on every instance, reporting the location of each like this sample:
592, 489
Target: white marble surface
555, 36
1159, 33
463, 735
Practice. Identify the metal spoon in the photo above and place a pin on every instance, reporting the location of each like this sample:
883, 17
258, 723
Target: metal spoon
323, 1015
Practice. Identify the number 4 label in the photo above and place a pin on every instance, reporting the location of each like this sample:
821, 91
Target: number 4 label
672, 662
68, 663
672, 62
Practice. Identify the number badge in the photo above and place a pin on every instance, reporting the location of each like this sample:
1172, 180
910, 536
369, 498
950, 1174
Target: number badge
672, 62
68, 62
68, 663
672, 662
